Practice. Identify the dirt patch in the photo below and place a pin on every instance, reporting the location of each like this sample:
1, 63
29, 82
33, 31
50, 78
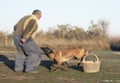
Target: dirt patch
118, 53
4, 76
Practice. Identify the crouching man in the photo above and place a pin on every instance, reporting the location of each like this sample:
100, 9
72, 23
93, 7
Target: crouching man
28, 56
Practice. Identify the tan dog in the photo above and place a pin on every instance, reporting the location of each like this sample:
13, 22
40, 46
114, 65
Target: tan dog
64, 55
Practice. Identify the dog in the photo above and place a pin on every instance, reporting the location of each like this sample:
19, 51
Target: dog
62, 56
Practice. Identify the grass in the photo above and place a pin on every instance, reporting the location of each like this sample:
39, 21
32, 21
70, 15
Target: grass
109, 71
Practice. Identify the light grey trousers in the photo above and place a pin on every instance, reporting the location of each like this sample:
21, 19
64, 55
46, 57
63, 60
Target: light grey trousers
28, 57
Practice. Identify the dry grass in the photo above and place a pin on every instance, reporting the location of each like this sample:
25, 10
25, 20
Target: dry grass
63, 44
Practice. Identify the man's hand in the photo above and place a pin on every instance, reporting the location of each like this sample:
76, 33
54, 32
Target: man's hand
23, 40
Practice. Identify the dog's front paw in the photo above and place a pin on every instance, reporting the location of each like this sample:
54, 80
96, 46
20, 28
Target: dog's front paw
52, 70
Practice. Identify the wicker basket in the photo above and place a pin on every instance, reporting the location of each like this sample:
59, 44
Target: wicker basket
91, 66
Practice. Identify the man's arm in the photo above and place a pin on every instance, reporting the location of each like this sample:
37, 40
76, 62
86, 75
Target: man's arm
30, 29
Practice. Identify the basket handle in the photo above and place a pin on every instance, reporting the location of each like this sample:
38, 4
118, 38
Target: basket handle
93, 55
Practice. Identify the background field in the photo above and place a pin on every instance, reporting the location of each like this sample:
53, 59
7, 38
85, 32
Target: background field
109, 70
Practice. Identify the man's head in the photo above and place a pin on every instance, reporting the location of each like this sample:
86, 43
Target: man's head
37, 13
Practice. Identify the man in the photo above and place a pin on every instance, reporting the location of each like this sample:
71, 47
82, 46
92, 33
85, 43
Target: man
28, 57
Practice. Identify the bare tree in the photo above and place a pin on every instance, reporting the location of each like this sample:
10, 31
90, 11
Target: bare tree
104, 26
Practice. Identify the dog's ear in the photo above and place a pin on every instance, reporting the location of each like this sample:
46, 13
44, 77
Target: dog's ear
48, 48
42, 47
51, 51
